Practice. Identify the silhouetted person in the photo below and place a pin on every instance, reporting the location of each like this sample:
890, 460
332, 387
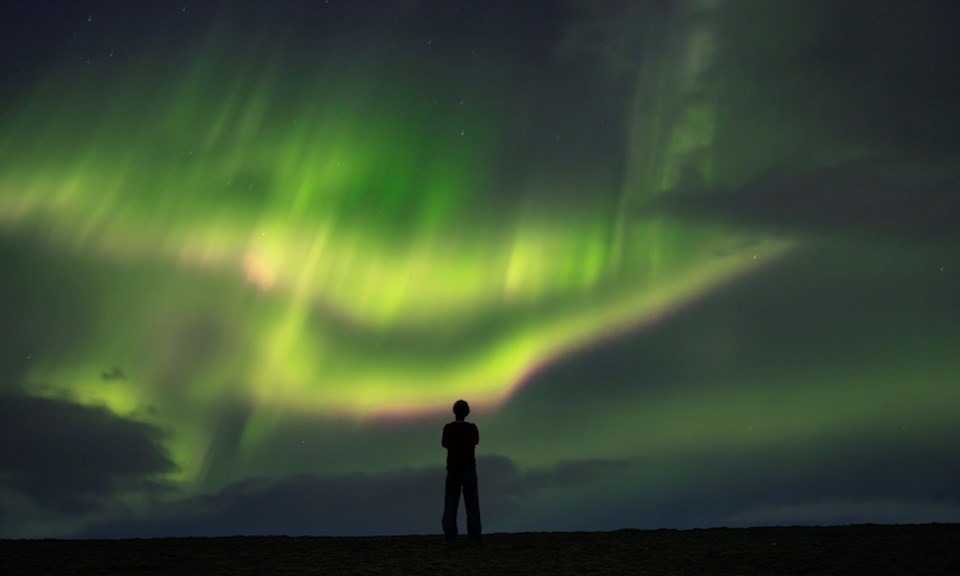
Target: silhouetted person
460, 438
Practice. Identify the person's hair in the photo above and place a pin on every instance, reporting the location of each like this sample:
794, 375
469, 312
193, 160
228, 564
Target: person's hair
461, 409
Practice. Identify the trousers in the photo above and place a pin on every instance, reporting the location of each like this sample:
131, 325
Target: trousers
457, 482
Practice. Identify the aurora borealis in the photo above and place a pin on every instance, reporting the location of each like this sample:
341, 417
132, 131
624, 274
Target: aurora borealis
693, 263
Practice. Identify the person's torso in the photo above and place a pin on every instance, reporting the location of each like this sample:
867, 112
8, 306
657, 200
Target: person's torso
461, 441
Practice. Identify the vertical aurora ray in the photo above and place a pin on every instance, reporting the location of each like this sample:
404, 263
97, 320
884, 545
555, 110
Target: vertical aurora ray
290, 236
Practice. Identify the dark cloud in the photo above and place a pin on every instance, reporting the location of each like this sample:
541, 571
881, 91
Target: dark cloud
887, 477
396, 502
876, 198
70, 459
895, 476
860, 480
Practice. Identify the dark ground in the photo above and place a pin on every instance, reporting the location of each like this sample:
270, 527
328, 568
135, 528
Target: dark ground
866, 549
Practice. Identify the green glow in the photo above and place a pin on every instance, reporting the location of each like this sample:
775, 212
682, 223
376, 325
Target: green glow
336, 233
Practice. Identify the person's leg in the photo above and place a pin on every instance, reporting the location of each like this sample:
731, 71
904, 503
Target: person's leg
471, 501
451, 501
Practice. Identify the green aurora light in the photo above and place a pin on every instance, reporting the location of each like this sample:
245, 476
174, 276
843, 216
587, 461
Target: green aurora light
337, 225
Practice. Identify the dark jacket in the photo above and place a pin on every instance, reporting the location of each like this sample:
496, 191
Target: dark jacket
460, 438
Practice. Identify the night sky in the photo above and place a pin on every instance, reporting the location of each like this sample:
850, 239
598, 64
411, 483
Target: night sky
693, 263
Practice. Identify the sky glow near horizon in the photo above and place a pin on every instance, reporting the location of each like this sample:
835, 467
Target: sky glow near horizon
275, 250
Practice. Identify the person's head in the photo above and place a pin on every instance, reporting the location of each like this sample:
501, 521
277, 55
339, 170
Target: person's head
461, 409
